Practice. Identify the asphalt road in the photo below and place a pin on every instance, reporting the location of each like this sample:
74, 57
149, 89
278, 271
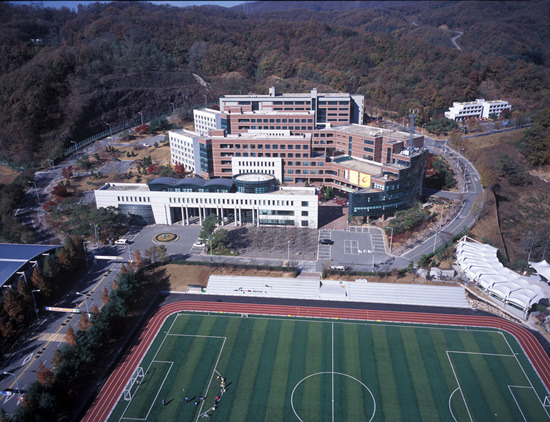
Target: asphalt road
49, 332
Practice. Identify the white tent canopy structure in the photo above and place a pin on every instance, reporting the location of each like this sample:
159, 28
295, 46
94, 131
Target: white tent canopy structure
480, 264
543, 269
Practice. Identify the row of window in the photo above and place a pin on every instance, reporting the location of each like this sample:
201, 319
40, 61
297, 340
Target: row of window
267, 146
267, 155
256, 163
301, 171
133, 199
232, 201
275, 121
295, 128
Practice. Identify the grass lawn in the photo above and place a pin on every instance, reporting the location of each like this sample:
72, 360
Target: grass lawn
291, 369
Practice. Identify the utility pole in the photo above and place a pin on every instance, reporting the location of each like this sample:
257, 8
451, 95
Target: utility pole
110, 129
141, 114
391, 238
34, 300
75, 145
16, 383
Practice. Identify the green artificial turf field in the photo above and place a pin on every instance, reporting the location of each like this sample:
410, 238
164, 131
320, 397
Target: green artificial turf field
291, 369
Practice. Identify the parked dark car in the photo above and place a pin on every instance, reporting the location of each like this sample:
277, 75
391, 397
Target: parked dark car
326, 242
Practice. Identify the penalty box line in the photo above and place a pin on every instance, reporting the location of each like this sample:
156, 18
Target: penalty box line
171, 364
448, 352
524, 373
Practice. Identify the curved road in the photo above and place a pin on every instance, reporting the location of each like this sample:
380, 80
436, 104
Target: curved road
464, 219
112, 389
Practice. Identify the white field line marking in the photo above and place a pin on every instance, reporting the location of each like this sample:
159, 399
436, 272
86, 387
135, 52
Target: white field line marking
523, 370
194, 335
458, 383
323, 320
517, 404
214, 371
339, 373
156, 395
333, 372
150, 363
481, 353
450, 409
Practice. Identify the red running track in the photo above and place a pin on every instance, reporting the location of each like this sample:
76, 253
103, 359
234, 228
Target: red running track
112, 390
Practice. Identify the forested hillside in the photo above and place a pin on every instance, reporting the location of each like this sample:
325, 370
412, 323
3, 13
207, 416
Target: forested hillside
65, 74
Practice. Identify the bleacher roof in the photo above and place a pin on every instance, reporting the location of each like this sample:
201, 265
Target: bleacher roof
480, 263
14, 256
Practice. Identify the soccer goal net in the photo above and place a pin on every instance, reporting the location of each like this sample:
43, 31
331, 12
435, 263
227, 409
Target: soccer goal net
137, 376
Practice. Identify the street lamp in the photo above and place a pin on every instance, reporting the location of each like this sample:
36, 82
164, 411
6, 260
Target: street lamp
85, 301
16, 383
141, 114
210, 242
129, 254
95, 231
85, 254
438, 229
391, 238
173, 108
34, 300
75, 145
110, 129
37, 196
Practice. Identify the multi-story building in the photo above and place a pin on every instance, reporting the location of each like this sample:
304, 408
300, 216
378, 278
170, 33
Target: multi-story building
478, 108
243, 199
339, 108
279, 139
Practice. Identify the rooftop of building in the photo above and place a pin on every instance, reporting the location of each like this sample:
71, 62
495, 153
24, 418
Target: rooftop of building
185, 132
137, 187
14, 256
254, 177
276, 113
208, 110
370, 131
125, 187
286, 95
364, 166
264, 134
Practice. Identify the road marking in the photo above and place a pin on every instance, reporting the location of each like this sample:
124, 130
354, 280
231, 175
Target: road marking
60, 338
29, 357
48, 342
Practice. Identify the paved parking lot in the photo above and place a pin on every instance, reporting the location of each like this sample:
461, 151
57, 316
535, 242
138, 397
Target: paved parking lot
116, 167
141, 238
359, 247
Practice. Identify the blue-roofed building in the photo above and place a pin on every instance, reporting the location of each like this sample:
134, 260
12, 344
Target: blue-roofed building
16, 259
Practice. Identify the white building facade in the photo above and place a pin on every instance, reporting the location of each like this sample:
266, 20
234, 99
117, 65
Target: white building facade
184, 149
206, 119
264, 165
478, 108
296, 206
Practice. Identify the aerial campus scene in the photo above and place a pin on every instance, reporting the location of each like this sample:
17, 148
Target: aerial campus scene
275, 211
